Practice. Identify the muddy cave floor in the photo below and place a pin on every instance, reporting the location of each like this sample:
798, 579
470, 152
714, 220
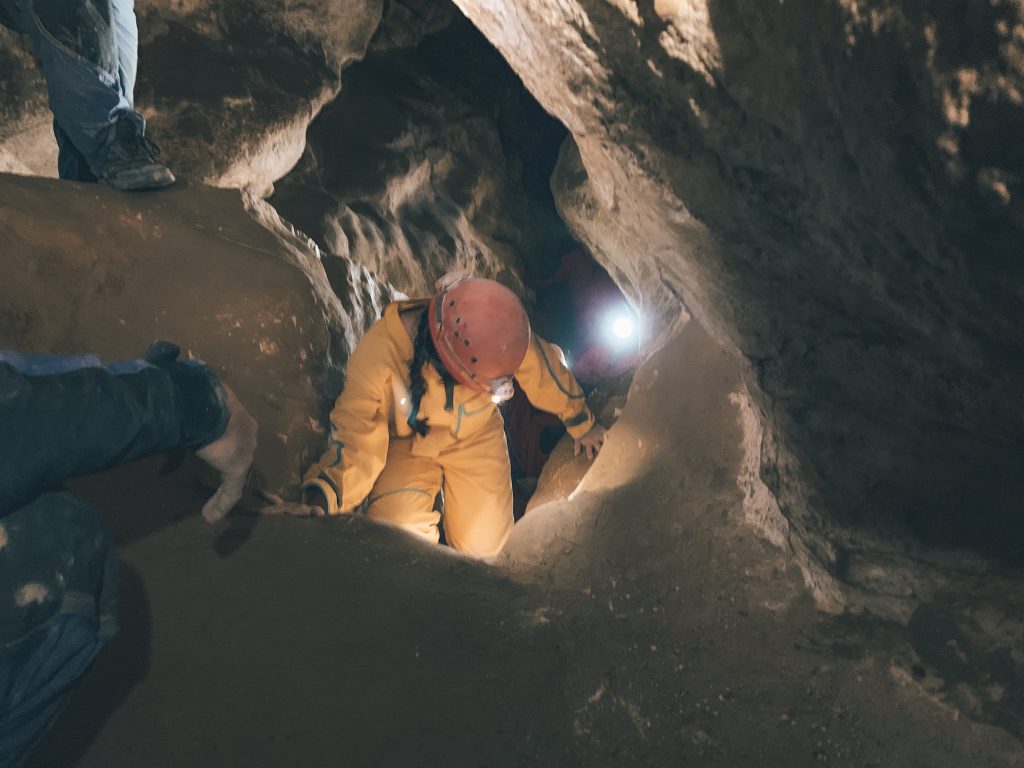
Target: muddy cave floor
641, 623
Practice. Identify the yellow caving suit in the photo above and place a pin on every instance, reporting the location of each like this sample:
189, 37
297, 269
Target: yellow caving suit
374, 453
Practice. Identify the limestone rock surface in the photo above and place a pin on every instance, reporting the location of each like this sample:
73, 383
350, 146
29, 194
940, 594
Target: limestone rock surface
89, 269
27, 145
834, 190
640, 624
428, 157
228, 88
432, 158
691, 641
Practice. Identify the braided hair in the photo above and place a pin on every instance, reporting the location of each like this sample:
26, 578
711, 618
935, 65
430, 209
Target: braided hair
423, 352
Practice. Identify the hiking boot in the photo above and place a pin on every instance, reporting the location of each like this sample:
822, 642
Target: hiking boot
131, 162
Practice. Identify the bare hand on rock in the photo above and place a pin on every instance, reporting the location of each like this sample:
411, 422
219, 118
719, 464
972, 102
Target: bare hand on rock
592, 442
231, 455
279, 506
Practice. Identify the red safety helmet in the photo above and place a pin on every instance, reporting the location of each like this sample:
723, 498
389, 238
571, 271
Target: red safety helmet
481, 332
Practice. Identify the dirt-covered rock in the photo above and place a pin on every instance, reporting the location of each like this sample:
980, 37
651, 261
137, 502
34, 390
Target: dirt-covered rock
27, 145
87, 269
690, 641
432, 158
257, 74
640, 624
428, 157
834, 191
228, 87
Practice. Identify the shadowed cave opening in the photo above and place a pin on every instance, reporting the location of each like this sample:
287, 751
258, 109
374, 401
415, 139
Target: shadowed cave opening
450, 105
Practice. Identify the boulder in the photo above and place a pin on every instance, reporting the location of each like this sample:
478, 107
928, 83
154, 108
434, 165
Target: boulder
834, 191
88, 269
27, 145
228, 88
432, 158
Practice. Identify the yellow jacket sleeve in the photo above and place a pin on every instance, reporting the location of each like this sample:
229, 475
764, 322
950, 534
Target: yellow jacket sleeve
358, 443
550, 386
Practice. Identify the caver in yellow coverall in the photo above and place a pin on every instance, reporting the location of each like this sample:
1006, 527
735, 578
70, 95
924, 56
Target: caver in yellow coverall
374, 454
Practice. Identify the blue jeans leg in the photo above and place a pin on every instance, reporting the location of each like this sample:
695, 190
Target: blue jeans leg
126, 33
71, 164
58, 603
87, 49
36, 681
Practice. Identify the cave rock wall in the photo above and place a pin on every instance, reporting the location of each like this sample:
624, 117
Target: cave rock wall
228, 86
87, 269
432, 158
834, 190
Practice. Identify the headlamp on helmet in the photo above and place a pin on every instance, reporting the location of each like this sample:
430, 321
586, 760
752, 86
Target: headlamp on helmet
502, 389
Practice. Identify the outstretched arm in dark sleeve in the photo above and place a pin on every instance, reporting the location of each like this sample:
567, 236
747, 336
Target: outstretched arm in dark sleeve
62, 425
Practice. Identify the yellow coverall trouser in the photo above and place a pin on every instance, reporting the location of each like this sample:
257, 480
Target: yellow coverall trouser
477, 492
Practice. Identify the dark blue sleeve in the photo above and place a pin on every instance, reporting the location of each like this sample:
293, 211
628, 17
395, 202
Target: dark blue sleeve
54, 426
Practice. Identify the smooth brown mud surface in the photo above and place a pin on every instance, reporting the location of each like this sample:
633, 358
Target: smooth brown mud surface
639, 623
296, 642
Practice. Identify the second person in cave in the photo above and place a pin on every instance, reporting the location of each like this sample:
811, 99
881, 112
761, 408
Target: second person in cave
419, 413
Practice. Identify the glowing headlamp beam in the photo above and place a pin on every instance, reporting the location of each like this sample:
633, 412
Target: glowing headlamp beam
623, 327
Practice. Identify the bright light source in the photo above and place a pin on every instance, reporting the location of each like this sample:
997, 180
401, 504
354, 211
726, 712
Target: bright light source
502, 389
623, 327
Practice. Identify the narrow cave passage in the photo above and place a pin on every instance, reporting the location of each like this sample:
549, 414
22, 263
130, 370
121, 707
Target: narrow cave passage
763, 566
434, 157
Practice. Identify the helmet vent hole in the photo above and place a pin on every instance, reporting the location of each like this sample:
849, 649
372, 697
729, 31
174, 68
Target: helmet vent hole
451, 303
458, 320
466, 342
473, 360
456, 334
